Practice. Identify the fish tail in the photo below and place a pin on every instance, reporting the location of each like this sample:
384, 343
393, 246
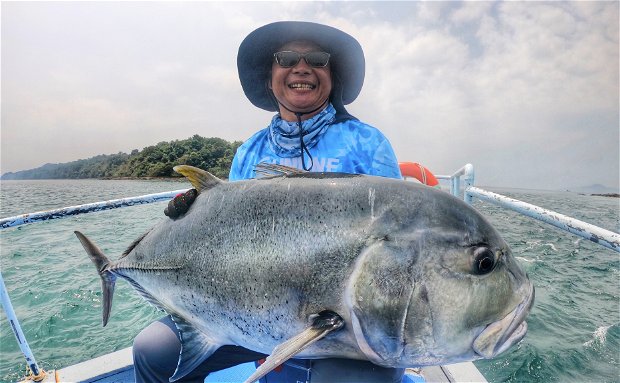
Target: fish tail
107, 278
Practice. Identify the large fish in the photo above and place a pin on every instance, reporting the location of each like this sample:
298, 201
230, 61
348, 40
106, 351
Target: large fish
318, 265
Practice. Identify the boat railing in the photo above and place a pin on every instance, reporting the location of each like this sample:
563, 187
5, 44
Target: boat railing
466, 173
461, 184
70, 211
465, 177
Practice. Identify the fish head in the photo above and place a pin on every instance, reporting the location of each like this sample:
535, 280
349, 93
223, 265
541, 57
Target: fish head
472, 300
463, 296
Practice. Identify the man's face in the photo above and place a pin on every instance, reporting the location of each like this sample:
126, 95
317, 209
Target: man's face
300, 88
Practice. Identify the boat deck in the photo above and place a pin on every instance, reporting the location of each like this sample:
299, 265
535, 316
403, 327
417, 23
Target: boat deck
117, 367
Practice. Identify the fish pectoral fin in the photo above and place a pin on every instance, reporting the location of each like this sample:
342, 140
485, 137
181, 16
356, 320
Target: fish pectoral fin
195, 348
200, 179
321, 324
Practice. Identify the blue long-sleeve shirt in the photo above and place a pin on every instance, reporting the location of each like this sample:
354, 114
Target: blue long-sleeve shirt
349, 146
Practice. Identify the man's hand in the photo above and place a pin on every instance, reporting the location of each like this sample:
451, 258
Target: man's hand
180, 204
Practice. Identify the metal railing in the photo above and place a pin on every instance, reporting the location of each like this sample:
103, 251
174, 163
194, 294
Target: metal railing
603, 237
467, 173
69, 211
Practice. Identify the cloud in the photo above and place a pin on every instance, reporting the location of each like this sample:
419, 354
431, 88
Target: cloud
527, 92
519, 79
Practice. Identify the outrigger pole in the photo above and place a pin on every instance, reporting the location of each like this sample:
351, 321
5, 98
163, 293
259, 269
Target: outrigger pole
596, 234
36, 373
64, 212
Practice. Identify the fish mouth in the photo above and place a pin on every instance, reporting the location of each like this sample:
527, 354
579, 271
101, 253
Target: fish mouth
499, 336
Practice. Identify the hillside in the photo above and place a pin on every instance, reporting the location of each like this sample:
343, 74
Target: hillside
212, 154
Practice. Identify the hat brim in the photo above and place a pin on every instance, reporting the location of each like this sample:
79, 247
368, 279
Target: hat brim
255, 58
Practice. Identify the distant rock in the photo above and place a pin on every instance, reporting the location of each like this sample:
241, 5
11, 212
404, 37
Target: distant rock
595, 189
615, 195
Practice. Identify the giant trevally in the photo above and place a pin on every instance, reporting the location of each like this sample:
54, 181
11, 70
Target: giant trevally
318, 265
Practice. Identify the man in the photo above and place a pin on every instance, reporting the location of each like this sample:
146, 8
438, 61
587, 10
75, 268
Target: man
313, 130
307, 72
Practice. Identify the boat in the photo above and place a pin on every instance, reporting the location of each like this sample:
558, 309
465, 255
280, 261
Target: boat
117, 366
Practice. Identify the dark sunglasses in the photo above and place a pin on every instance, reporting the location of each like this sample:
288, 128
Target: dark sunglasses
287, 59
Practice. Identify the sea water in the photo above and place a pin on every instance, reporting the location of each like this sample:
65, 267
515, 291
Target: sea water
574, 326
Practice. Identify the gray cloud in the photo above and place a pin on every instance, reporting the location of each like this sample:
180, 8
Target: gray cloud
527, 92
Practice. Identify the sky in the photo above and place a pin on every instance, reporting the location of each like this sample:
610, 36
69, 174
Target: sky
527, 92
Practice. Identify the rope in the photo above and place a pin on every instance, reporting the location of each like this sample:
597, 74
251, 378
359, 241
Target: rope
30, 376
423, 171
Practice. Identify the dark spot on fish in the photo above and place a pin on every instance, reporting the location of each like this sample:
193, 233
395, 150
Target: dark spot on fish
424, 294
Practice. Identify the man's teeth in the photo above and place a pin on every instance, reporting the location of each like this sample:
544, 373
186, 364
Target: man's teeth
301, 86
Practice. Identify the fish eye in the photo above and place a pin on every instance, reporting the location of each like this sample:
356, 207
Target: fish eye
483, 260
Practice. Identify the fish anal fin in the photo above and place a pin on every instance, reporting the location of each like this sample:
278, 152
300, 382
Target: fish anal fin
321, 324
196, 347
200, 179
145, 294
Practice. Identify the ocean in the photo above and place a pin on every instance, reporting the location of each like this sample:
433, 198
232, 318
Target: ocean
574, 327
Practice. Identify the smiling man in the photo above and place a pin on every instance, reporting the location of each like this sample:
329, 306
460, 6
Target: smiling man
306, 72
301, 79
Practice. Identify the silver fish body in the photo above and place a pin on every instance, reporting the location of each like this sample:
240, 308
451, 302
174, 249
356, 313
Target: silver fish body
418, 276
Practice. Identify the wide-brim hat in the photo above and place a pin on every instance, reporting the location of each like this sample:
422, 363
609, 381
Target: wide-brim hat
256, 51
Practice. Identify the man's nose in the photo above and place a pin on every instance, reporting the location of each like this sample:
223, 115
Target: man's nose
302, 66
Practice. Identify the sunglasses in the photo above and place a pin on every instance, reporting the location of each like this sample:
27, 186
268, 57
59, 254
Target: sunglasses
287, 59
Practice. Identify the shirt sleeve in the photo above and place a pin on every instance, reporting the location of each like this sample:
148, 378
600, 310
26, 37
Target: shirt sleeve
235, 168
246, 157
371, 151
384, 162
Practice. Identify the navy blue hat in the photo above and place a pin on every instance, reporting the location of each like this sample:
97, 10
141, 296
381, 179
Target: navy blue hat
256, 51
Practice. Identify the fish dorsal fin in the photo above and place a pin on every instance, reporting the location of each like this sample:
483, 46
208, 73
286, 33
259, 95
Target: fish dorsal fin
264, 169
200, 179
195, 348
322, 324
267, 170
134, 244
